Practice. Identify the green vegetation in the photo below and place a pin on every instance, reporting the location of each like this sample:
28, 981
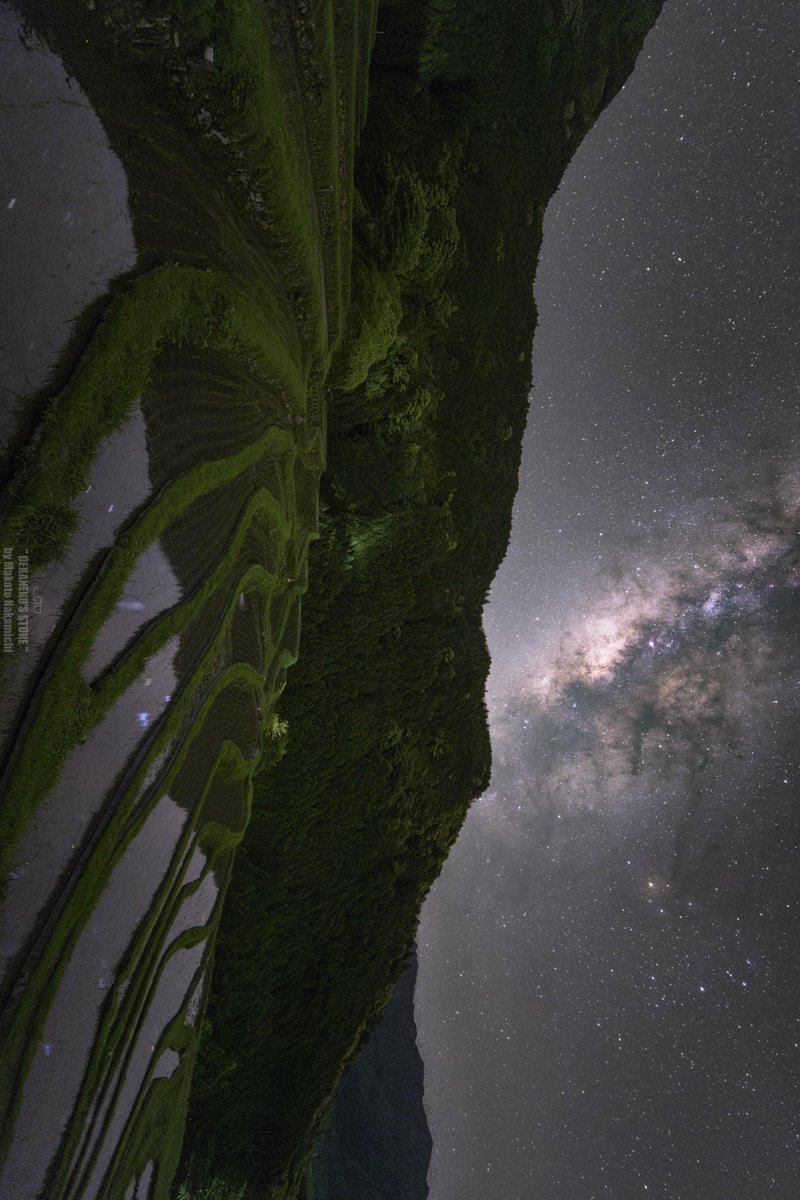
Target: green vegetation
216, 1190
474, 111
171, 305
241, 195
274, 303
373, 322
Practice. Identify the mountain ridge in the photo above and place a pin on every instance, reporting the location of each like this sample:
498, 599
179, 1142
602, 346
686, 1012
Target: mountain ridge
377, 1144
474, 112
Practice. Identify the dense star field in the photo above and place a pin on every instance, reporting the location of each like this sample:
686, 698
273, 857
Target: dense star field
265, 357
608, 965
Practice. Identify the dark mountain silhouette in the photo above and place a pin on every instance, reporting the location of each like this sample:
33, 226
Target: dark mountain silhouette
377, 1145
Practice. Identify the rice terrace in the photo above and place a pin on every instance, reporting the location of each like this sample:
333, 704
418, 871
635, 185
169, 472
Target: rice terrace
281, 358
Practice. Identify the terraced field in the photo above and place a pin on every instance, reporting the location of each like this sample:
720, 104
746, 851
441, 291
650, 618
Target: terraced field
163, 484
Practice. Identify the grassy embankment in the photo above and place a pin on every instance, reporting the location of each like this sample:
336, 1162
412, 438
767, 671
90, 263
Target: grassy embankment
474, 111
241, 197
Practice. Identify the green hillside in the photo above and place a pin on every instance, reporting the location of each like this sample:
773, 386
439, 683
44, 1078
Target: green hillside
474, 111
337, 209
236, 123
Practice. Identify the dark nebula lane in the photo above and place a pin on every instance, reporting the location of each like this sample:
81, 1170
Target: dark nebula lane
609, 979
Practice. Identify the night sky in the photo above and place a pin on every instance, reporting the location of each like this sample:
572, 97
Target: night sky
610, 966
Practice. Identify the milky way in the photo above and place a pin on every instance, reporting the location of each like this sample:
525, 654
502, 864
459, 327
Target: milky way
609, 967
630, 888
671, 667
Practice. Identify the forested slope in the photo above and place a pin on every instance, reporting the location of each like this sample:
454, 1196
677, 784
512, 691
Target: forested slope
474, 110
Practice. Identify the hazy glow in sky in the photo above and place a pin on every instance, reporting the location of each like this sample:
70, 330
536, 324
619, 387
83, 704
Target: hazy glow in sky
609, 979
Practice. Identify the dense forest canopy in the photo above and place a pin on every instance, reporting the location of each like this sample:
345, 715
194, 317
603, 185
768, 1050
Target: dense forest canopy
473, 113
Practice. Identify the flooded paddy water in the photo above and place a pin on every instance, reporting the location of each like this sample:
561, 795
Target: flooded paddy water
162, 440
65, 225
118, 484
